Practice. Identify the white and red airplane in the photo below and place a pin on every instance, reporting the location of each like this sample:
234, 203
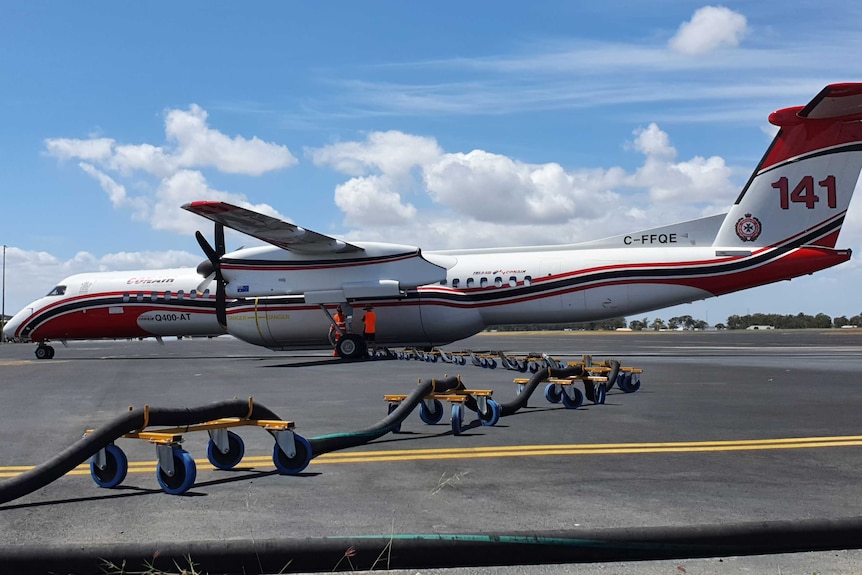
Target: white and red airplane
784, 224
101, 305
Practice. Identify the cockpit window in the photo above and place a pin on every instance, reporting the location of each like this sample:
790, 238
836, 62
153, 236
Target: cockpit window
59, 290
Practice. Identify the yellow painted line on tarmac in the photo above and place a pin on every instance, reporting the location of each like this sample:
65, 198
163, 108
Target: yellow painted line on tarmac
508, 451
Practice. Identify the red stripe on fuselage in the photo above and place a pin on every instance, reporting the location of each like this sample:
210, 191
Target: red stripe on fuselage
96, 321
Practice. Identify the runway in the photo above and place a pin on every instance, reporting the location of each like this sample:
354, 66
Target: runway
727, 427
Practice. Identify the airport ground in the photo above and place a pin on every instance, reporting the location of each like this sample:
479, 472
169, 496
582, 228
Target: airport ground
727, 427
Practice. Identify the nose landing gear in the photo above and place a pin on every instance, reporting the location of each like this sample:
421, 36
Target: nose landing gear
44, 351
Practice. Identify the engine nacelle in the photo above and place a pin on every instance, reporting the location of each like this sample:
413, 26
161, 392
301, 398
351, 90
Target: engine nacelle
379, 270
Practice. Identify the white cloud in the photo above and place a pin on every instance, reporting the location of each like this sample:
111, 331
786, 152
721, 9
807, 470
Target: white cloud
495, 188
372, 201
193, 146
196, 145
91, 150
393, 152
710, 28
186, 186
116, 191
485, 199
200, 146
696, 181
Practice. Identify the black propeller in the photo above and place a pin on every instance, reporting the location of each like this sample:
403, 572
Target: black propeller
212, 265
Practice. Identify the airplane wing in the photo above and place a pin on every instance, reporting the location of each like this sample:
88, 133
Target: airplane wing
270, 230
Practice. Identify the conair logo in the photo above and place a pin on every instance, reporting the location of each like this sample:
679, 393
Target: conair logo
748, 228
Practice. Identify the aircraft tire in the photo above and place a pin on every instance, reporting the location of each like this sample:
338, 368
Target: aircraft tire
351, 346
43, 352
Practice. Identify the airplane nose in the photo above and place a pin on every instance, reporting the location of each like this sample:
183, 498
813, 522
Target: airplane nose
14, 323
9, 329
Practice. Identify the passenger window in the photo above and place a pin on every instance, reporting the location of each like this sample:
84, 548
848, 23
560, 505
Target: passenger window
126, 297
206, 292
167, 294
443, 282
180, 294
456, 282
528, 280
483, 282
193, 294
154, 296
513, 281
470, 282
498, 282
140, 296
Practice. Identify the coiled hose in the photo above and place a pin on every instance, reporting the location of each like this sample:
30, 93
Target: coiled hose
337, 441
134, 420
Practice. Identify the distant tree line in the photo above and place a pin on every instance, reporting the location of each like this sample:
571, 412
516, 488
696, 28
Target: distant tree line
798, 321
608, 324
687, 322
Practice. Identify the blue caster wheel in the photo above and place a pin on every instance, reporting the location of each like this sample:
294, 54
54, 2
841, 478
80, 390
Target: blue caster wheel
116, 467
428, 416
599, 393
492, 415
553, 393
457, 418
184, 475
628, 382
229, 460
575, 400
296, 464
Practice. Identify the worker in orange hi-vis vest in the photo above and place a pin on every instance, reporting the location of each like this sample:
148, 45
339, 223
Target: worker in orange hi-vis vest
369, 322
341, 322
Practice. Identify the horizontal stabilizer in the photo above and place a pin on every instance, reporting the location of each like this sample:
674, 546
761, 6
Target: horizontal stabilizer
699, 232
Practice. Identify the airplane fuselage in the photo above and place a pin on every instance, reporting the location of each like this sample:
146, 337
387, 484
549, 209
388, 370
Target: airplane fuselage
119, 305
541, 285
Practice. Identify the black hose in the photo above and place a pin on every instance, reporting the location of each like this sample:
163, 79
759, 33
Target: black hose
520, 401
337, 441
614, 373
91, 443
444, 550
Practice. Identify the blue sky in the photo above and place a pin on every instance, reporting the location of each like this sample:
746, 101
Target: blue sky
442, 124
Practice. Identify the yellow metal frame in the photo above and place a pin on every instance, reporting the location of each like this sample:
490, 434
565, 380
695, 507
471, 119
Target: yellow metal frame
173, 435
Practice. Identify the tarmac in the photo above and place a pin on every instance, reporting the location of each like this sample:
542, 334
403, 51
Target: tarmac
728, 428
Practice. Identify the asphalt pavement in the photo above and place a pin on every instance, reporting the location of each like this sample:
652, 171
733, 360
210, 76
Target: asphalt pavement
727, 429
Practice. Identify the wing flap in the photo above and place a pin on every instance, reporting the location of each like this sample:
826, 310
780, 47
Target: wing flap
270, 230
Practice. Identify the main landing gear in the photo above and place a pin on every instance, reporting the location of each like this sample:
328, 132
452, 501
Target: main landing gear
347, 345
44, 351
351, 346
